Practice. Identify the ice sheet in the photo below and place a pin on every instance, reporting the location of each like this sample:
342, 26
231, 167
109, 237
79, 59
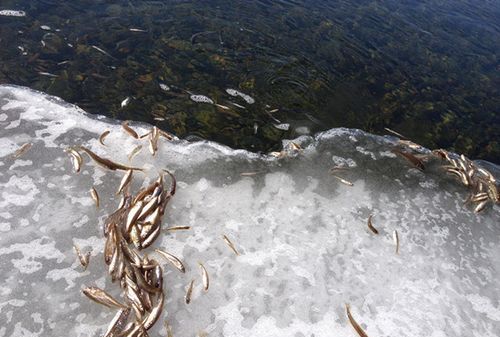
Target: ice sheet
305, 247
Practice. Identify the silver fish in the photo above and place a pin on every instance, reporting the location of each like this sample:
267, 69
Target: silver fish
172, 259
125, 181
395, 237
95, 196
100, 296
189, 292
84, 259
204, 276
134, 152
102, 136
353, 322
22, 150
230, 244
343, 181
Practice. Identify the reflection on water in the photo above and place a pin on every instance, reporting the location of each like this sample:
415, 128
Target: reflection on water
430, 69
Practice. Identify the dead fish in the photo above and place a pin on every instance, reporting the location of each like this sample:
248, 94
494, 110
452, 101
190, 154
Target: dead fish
106, 163
133, 215
250, 174
370, 225
102, 136
295, 146
395, 133
124, 103
100, 296
22, 150
204, 276
76, 159
102, 51
84, 259
189, 292
172, 259
125, 181
343, 181
44, 73
223, 107
411, 158
395, 237
154, 313
230, 244
134, 152
95, 196
169, 329
353, 322
129, 130
178, 228
137, 30
117, 324
480, 206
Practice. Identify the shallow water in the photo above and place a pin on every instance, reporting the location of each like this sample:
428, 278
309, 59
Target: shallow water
305, 247
426, 69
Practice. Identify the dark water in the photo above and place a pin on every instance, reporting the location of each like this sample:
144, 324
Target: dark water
428, 69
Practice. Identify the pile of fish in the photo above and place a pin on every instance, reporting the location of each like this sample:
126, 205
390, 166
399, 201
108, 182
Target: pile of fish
480, 181
132, 227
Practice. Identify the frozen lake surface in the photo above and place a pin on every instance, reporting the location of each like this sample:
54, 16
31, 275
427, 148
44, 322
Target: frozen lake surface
305, 247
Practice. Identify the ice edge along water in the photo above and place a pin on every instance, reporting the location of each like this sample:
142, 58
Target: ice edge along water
305, 247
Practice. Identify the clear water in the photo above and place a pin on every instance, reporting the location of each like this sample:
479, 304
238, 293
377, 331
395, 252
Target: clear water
428, 69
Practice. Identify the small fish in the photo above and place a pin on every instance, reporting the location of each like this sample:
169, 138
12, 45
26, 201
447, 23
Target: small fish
480, 206
255, 128
95, 196
250, 174
137, 30
395, 237
178, 228
247, 98
353, 322
160, 119
189, 292
44, 27
106, 163
204, 276
44, 73
395, 133
102, 136
101, 51
154, 313
100, 296
124, 103
343, 181
370, 225
172, 259
117, 324
76, 158
295, 146
238, 105
230, 244
411, 158
222, 106
125, 181
84, 259
129, 130
22, 150
134, 152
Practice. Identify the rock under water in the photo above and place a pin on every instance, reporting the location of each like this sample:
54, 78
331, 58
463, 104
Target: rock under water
305, 248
